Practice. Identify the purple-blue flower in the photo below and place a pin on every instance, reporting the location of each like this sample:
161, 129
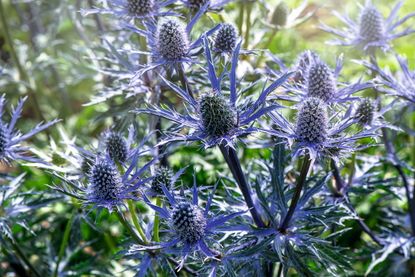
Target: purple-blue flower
217, 118
190, 226
318, 132
314, 78
11, 139
372, 30
131, 9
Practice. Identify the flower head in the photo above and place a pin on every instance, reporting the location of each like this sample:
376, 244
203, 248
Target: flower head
280, 15
197, 5
172, 41
216, 117
191, 226
11, 139
315, 78
116, 147
371, 30
226, 38
365, 112
130, 9
312, 121
321, 82
320, 131
162, 177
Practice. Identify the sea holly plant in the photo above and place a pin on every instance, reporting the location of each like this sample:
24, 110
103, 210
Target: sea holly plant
302, 160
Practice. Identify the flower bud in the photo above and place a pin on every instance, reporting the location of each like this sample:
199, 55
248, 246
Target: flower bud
189, 222
280, 15
116, 147
312, 121
162, 177
140, 7
365, 112
371, 24
225, 40
321, 82
172, 41
217, 116
105, 180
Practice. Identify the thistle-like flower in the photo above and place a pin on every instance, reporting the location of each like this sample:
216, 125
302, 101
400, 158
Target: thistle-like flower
106, 186
170, 43
171, 39
365, 112
371, 30
117, 147
225, 39
312, 121
162, 177
10, 139
401, 84
320, 81
216, 118
130, 9
318, 132
191, 226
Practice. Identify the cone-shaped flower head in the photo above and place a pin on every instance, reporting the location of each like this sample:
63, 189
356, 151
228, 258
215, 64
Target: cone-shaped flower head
280, 15
371, 24
321, 82
162, 177
365, 112
116, 147
172, 41
312, 121
140, 7
196, 4
106, 182
225, 40
217, 115
189, 222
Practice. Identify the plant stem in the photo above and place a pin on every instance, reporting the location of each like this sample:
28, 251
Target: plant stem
128, 227
135, 221
156, 236
240, 19
234, 164
183, 80
22, 256
22, 73
64, 242
337, 177
298, 188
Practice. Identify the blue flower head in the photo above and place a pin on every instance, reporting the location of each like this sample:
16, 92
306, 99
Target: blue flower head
11, 139
372, 30
130, 9
112, 174
319, 133
216, 117
225, 39
196, 5
316, 79
191, 227
170, 43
